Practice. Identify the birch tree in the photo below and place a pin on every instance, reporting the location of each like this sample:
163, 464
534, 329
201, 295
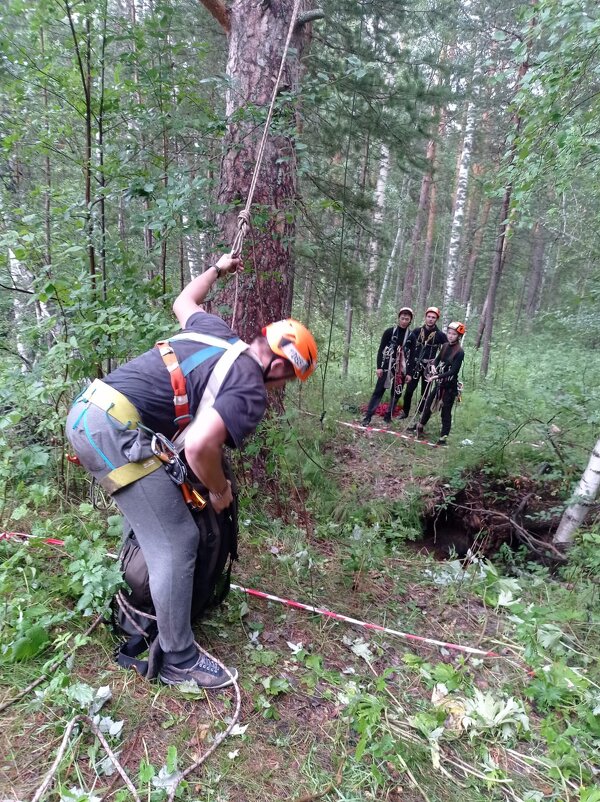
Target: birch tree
583, 498
374, 247
462, 184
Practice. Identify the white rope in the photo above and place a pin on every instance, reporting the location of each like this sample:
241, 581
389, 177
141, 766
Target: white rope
244, 215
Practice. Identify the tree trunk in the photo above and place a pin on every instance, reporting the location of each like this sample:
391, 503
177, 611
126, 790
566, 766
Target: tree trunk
506, 222
583, 497
398, 246
382, 177
409, 276
348, 315
257, 34
426, 271
462, 184
474, 252
536, 272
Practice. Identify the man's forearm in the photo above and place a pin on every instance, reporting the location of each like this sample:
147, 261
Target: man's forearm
197, 290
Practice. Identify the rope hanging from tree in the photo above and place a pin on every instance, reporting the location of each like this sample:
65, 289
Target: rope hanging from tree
244, 216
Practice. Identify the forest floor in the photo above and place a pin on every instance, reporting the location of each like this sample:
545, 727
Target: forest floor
336, 711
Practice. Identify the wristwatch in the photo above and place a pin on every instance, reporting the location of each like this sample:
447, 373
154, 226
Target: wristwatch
218, 269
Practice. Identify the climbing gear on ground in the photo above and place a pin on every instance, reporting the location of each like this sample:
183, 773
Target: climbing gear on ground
206, 673
406, 310
458, 327
435, 311
294, 342
133, 614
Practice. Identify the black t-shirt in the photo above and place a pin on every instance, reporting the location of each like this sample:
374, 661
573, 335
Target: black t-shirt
146, 382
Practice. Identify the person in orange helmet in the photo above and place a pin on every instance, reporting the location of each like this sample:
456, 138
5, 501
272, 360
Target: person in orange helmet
443, 381
111, 427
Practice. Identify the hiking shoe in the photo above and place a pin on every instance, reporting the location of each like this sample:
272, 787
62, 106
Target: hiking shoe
387, 420
401, 415
412, 427
205, 673
365, 421
443, 441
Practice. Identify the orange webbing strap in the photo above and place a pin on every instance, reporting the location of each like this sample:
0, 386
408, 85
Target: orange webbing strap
180, 399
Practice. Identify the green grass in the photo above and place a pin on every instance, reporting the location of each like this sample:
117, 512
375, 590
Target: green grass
329, 706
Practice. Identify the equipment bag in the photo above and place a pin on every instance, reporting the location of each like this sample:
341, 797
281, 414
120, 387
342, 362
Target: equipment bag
133, 610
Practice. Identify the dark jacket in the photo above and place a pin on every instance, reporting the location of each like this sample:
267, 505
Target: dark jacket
448, 364
423, 345
391, 339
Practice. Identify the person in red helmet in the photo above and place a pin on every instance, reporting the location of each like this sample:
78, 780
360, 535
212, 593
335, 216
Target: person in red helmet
390, 365
443, 382
422, 348
207, 378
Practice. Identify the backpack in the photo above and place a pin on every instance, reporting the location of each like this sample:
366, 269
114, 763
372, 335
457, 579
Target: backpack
133, 610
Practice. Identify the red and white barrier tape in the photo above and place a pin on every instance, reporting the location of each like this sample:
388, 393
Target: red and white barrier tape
378, 429
308, 607
367, 625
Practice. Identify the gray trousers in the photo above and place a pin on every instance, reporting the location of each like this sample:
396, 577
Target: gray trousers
155, 510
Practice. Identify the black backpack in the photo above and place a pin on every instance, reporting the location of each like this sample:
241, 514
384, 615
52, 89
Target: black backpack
133, 610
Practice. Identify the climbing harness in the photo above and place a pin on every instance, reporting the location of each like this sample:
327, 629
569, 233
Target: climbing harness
119, 411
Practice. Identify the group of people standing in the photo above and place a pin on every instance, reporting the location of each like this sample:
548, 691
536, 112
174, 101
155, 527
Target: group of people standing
426, 356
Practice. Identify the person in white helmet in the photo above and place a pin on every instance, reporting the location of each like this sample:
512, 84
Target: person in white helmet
391, 365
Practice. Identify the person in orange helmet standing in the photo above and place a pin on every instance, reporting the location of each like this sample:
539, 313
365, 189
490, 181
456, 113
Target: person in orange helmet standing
207, 378
443, 381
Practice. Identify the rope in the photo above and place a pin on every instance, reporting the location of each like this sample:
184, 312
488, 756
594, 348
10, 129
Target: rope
342, 233
244, 215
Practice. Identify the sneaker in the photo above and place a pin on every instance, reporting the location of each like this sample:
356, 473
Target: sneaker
387, 420
412, 427
365, 421
401, 415
205, 673
443, 441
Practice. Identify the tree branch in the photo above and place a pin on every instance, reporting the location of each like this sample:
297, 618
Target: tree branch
309, 16
219, 11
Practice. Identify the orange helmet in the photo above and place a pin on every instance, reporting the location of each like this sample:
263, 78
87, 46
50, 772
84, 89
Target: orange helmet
435, 311
458, 327
294, 342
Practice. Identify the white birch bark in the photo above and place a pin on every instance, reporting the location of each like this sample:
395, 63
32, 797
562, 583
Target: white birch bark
395, 255
384, 169
462, 185
584, 495
398, 246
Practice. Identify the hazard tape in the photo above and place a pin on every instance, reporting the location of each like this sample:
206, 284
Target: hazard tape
260, 594
377, 429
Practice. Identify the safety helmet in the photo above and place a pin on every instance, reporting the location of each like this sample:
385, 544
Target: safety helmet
294, 342
458, 327
407, 310
435, 311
